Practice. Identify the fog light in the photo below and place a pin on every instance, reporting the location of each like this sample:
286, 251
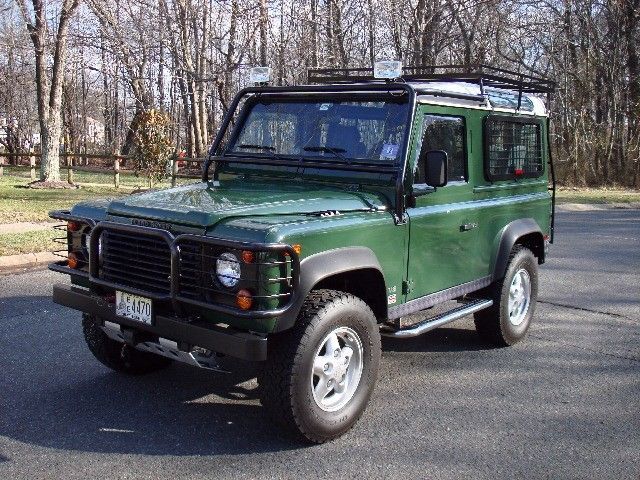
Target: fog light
248, 256
244, 300
72, 261
260, 74
388, 69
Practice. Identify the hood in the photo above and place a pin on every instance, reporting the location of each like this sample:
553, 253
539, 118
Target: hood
205, 204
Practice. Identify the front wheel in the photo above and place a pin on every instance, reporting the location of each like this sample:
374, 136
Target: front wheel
508, 320
320, 374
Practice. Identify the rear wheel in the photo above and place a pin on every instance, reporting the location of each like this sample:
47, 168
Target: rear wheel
320, 374
508, 320
119, 356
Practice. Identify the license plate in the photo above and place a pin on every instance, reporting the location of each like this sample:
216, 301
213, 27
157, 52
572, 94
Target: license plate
133, 307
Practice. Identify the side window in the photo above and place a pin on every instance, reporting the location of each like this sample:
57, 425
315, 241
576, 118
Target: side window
512, 148
446, 133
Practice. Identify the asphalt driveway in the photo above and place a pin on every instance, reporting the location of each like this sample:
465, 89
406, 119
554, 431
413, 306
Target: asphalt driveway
563, 404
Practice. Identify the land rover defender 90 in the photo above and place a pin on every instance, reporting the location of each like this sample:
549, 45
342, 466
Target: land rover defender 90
328, 215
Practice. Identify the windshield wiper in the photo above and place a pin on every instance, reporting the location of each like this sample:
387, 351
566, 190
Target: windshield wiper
334, 150
258, 147
266, 148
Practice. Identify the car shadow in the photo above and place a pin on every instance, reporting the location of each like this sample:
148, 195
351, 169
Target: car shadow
179, 411
55, 394
443, 339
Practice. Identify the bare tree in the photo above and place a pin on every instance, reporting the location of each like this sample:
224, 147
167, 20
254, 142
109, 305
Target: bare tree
49, 85
189, 57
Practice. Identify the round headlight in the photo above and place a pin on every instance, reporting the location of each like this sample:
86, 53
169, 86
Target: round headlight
228, 270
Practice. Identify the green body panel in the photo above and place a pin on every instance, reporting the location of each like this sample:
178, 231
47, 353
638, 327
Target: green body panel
205, 204
428, 249
442, 253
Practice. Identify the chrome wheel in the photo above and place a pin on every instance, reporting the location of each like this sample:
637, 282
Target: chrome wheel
519, 297
337, 368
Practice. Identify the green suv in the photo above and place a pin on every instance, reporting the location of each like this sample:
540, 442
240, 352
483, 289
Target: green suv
328, 215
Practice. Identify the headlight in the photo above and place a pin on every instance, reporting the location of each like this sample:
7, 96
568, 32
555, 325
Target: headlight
228, 270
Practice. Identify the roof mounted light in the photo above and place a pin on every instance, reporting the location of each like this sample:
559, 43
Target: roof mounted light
260, 74
388, 69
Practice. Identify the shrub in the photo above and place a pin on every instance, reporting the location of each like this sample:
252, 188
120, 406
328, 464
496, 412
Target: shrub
152, 147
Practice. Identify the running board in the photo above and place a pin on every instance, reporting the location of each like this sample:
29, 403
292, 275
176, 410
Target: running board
442, 319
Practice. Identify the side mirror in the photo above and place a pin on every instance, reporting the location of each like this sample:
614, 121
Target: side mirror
435, 164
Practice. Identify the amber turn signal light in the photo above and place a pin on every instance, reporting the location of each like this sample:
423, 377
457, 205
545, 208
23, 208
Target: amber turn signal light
296, 248
244, 300
73, 226
248, 256
72, 260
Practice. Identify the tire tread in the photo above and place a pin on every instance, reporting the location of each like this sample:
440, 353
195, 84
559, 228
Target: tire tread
285, 349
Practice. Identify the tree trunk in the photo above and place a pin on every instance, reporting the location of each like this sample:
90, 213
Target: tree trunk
314, 33
50, 160
264, 19
49, 93
371, 31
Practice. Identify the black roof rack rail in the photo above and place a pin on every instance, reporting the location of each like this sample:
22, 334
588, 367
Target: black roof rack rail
483, 75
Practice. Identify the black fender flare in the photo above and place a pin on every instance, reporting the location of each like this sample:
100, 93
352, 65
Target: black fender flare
506, 239
320, 266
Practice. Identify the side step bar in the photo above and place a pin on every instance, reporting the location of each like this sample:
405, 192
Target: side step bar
435, 322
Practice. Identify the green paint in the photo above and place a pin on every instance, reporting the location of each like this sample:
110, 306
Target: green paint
450, 237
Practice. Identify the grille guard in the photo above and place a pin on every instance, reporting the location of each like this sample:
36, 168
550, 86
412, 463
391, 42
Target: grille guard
174, 243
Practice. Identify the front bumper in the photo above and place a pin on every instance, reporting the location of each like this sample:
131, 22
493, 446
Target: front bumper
227, 341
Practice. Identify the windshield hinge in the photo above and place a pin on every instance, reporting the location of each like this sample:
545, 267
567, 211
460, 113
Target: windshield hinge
407, 286
400, 220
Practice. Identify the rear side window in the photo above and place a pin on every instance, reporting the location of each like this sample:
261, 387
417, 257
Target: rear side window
513, 148
446, 133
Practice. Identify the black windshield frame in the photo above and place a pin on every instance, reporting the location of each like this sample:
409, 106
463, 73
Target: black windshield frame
339, 103
390, 88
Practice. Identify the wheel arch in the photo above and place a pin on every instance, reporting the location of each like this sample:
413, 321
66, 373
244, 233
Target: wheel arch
524, 231
354, 270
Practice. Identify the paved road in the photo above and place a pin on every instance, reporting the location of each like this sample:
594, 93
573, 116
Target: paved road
563, 404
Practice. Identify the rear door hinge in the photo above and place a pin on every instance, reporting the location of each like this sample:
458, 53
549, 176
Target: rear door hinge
407, 286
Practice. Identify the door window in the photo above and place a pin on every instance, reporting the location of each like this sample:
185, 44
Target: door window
446, 133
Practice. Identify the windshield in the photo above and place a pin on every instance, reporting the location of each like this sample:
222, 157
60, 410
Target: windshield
344, 131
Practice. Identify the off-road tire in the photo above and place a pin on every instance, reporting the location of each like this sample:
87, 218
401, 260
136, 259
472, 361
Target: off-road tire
493, 324
285, 389
116, 355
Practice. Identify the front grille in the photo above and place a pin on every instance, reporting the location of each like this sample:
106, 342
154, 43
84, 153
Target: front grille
136, 260
192, 279
268, 277
142, 259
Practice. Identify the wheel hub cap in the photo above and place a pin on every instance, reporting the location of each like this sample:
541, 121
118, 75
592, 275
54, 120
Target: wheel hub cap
519, 297
337, 369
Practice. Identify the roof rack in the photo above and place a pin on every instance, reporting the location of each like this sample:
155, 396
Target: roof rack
483, 75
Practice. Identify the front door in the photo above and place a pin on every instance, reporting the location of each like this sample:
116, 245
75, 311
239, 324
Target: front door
442, 225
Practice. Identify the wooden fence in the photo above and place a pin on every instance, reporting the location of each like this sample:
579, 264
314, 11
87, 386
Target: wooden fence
73, 162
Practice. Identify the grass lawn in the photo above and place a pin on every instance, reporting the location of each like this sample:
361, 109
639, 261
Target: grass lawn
19, 204
597, 195
28, 242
